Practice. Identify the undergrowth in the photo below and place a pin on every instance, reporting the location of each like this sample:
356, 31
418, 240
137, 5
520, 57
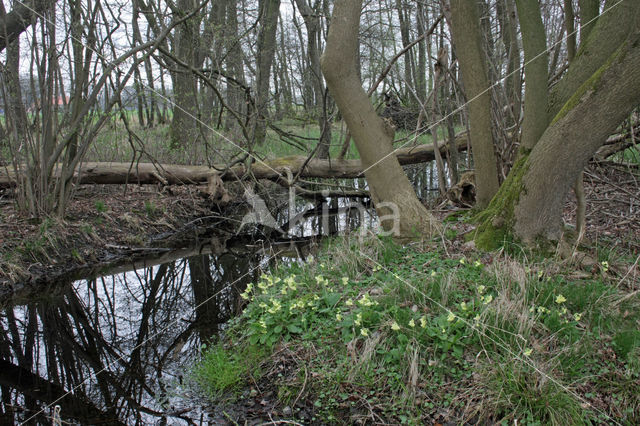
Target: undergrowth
373, 331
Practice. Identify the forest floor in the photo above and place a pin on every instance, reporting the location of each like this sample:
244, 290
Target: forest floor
103, 224
375, 333
439, 333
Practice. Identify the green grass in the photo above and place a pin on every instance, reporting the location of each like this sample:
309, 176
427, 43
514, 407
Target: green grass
114, 144
220, 371
398, 333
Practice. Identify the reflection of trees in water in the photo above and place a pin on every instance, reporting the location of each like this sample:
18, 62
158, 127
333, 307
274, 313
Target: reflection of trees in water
135, 329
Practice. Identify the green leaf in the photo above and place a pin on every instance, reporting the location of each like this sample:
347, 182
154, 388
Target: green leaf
331, 299
294, 329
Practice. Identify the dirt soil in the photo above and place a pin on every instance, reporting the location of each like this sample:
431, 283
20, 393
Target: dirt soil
104, 223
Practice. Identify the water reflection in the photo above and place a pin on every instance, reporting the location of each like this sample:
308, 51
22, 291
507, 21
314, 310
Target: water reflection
118, 342
111, 350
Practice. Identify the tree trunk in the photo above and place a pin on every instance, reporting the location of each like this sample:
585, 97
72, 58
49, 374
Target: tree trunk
609, 32
570, 26
392, 193
312, 23
529, 205
184, 126
589, 10
536, 73
235, 94
465, 29
509, 34
269, 11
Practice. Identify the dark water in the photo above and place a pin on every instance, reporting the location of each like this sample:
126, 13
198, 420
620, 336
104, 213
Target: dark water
115, 349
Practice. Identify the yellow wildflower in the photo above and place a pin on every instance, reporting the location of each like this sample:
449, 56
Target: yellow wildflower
527, 352
339, 316
487, 299
433, 273
464, 306
577, 317
395, 326
477, 263
349, 302
345, 280
364, 332
358, 319
560, 299
451, 316
275, 306
423, 322
481, 289
462, 261
412, 323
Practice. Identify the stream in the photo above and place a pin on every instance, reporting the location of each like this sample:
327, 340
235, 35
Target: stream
115, 346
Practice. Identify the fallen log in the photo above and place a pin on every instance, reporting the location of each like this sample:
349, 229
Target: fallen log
279, 168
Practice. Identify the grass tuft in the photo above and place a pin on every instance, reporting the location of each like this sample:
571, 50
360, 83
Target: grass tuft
373, 331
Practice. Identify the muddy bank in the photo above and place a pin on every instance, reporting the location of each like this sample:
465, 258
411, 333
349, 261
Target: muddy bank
105, 225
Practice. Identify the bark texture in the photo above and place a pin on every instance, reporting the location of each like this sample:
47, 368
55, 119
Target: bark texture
610, 30
269, 11
467, 36
588, 119
373, 137
589, 10
536, 72
529, 206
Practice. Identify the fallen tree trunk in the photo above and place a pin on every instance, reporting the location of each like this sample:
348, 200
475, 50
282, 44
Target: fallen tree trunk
279, 168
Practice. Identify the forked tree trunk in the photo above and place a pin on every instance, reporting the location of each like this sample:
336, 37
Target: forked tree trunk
529, 204
391, 191
610, 30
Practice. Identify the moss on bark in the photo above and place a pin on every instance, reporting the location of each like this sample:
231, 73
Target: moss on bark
590, 85
495, 223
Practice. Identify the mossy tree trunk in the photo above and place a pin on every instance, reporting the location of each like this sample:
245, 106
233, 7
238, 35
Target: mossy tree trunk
529, 206
389, 186
608, 33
